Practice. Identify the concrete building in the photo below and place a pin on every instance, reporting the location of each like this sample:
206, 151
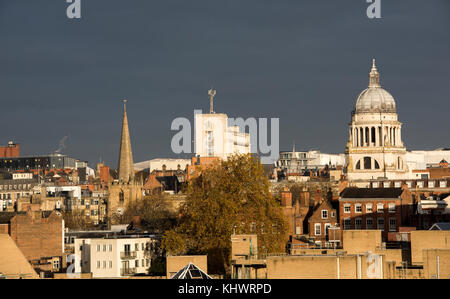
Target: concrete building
214, 137
163, 164
295, 162
113, 257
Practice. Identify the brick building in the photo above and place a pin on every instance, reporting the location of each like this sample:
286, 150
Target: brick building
39, 235
384, 209
323, 217
11, 150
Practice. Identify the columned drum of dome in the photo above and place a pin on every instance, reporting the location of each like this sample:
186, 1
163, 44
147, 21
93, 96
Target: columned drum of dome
375, 148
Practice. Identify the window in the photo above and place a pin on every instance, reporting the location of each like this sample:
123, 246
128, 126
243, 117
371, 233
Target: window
347, 223
367, 163
409, 184
333, 214
137, 263
98, 247
104, 247
147, 262
397, 184
324, 214
358, 223
392, 225
430, 184
442, 184
104, 264
56, 264
391, 208
317, 229
369, 223
375, 185
142, 246
380, 208
98, 264
420, 184
358, 208
110, 264
358, 165
136, 246
380, 224
110, 247
369, 208
377, 166
347, 208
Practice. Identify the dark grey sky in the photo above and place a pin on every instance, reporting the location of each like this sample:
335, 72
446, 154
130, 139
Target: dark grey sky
302, 61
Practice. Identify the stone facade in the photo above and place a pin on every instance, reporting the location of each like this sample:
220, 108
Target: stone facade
375, 148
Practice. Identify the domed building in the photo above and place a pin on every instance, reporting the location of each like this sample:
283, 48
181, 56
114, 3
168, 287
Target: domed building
375, 148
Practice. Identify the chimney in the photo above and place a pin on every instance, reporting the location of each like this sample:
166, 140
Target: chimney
304, 197
286, 198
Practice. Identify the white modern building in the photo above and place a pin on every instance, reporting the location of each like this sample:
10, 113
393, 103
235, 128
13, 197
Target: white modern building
216, 137
296, 161
114, 257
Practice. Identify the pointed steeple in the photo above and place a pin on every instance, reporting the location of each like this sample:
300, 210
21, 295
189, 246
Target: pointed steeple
374, 76
126, 169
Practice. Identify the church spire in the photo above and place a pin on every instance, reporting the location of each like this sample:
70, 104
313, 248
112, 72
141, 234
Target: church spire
126, 169
374, 76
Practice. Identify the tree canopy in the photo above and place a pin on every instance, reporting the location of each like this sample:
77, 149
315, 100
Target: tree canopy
229, 197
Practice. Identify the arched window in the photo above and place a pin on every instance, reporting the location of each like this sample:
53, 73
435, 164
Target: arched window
358, 165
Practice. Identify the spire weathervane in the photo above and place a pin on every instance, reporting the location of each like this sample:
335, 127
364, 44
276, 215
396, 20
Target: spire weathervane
212, 94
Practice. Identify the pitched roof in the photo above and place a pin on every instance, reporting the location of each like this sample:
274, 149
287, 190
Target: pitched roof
13, 263
353, 192
441, 226
191, 271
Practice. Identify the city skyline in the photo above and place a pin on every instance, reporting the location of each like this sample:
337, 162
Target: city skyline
282, 63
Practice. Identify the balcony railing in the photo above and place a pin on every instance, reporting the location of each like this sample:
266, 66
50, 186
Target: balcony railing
127, 255
127, 271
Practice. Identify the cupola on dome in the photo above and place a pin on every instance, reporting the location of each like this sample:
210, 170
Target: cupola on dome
375, 98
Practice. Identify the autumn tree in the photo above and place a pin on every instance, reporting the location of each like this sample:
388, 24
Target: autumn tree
76, 219
153, 211
230, 197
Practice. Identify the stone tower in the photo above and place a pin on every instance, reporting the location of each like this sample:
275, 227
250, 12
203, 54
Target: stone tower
375, 149
126, 169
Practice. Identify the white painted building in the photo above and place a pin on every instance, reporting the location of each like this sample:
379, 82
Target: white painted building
215, 137
113, 257
161, 164
296, 161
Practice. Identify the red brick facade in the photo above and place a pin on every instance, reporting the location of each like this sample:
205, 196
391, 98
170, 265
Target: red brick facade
387, 211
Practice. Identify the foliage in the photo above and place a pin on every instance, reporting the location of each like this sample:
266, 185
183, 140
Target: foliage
153, 211
230, 197
76, 220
